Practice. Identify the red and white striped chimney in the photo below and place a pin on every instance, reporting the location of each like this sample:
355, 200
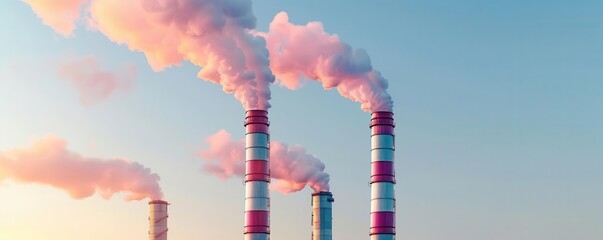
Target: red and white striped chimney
383, 202
257, 176
158, 215
322, 216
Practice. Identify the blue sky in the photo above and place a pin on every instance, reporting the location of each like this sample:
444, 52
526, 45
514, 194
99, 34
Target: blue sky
498, 107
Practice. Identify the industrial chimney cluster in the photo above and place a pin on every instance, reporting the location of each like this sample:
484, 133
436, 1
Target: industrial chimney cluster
221, 39
257, 180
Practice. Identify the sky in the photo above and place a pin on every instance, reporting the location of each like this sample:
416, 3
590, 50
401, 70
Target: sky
498, 106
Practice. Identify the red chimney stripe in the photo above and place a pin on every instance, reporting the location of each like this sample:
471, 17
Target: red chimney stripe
384, 230
382, 171
256, 117
382, 178
157, 235
258, 113
257, 218
382, 114
382, 121
257, 120
382, 129
257, 128
382, 168
257, 229
257, 170
383, 220
257, 167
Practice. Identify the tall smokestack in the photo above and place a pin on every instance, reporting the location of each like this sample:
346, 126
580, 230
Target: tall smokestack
257, 176
383, 202
322, 216
158, 216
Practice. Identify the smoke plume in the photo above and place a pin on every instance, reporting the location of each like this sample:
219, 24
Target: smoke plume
291, 167
298, 51
93, 83
212, 34
49, 162
219, 37
59, 15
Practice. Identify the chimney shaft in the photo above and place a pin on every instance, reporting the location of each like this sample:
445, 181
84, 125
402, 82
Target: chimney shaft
257, 176
383, 202
158, 216
322, 216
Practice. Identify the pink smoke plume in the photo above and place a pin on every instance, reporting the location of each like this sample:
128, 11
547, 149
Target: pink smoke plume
298, 51
49, 162
291, 167
93, 83
212, 34
59, 15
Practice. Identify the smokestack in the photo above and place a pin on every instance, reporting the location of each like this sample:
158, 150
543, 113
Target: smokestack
257, 176
322, 216
158, 216
383, 202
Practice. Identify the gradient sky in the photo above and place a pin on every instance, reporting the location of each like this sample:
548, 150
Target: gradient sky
499, 111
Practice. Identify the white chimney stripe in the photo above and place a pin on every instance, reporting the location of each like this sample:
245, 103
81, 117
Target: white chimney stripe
257, 204
256, 153
257, 189
256, 140
382, 141
382, 155
382, 190
383, 237
257, 236
383, 205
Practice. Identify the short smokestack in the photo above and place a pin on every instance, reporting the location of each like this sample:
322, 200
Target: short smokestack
257, 176
383, 202
322, 216
158, 216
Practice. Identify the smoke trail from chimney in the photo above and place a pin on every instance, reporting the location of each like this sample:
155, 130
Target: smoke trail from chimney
307, 51
212, 34
291, 166
219, 37
59, 15
49, 162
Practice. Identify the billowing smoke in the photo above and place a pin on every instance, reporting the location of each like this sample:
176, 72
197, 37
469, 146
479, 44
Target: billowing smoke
219, 37
49, 162
93, 83
298, 51
291, 167
59, 15
212, 34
